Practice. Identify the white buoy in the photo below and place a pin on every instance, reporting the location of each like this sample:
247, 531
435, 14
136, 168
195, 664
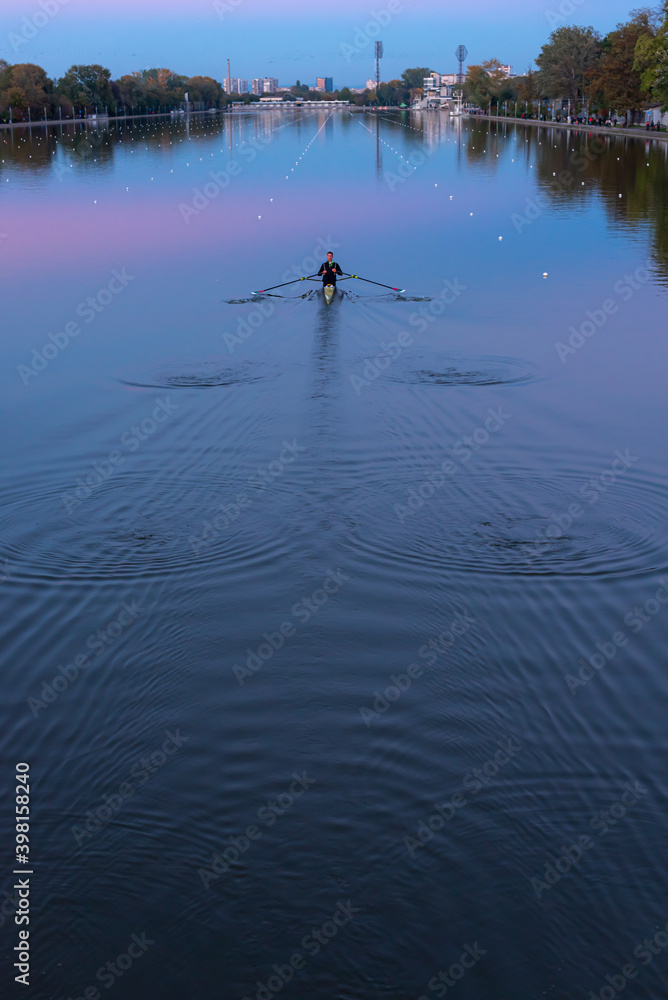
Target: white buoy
500, 238
545, 274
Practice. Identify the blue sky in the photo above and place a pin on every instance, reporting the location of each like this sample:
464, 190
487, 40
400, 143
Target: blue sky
193, 36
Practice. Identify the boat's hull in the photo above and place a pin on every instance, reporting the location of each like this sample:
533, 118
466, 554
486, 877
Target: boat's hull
328, 292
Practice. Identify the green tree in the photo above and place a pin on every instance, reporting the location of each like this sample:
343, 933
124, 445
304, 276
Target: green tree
133, 91
478, 86
16, 99
651, 61
615, 81
393, 93
414, 78
206, 88
497, 78
32, 82
528, 86
87, 86
567, 61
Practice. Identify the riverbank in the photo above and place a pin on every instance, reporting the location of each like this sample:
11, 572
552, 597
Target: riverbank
636, 133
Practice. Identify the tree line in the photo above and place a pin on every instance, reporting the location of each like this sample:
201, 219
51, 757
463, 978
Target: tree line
625, 70
29, 92
26, 89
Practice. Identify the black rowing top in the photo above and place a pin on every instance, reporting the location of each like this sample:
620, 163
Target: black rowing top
329, 271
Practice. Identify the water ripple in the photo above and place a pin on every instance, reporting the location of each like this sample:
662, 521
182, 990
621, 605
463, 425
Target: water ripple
132, 526
203, 375
460, 369
520, 525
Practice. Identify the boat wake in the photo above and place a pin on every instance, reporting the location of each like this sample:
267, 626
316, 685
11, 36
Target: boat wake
340, 292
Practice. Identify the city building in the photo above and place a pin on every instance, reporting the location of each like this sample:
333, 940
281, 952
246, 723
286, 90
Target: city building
507, 71
437, 89
325, 83
370, 84
439, 85
265, 85
235, 85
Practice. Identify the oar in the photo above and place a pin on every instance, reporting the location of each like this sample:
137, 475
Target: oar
260, 291
391, 287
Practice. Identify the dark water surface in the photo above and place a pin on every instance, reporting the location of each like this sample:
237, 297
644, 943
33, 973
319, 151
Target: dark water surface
233, 531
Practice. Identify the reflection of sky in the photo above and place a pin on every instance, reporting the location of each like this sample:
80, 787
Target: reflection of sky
127, 210
190, 37
66, 237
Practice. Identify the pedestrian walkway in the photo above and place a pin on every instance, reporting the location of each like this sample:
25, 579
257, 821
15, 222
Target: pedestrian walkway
637, 132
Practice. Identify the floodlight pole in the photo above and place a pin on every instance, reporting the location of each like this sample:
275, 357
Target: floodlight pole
461, 53
379, 56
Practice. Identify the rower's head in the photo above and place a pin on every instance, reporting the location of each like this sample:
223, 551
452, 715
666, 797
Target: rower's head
330, 256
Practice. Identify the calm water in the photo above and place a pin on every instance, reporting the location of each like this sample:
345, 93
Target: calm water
233, 532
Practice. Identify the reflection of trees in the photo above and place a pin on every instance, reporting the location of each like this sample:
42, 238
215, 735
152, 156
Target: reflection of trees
482, 141
34, 153
573, 156
594, 159
39, 148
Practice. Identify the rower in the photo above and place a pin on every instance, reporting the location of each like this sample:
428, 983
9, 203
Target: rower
329, 270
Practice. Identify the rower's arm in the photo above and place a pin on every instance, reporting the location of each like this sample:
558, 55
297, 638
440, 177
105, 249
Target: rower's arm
338, 269
322, 269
